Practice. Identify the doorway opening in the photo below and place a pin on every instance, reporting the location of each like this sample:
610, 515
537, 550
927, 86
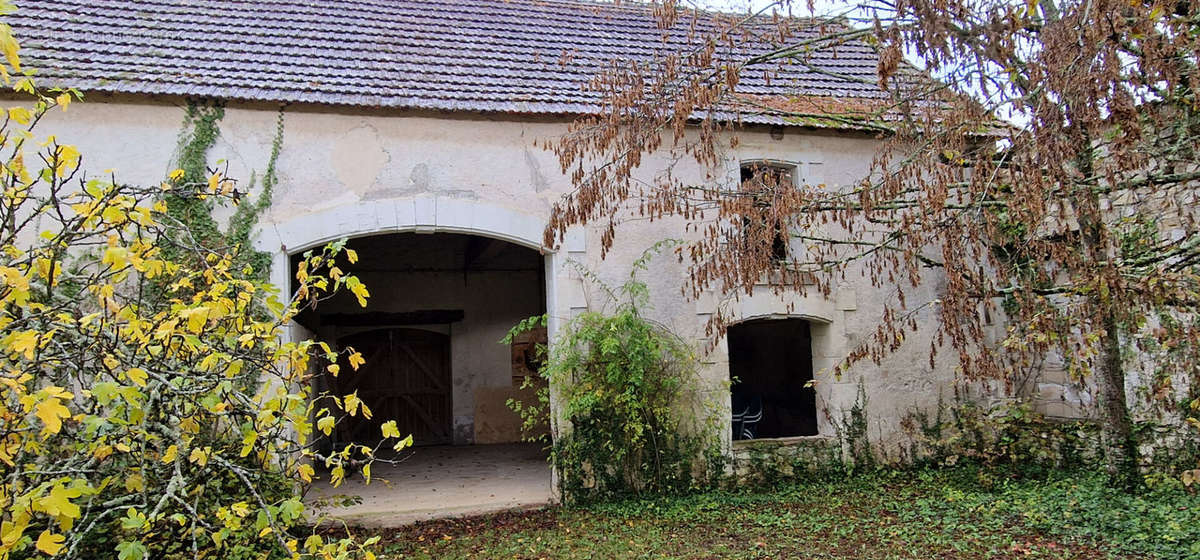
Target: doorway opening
430, 334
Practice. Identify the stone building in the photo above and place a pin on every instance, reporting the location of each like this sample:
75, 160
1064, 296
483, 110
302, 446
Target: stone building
413, 129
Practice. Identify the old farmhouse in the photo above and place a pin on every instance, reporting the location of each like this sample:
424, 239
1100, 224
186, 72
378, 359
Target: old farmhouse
415, 130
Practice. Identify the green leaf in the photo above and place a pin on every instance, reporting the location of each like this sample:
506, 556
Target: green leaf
131, 550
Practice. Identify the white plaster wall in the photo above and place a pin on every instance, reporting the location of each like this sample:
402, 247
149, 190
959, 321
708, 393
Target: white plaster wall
353, 172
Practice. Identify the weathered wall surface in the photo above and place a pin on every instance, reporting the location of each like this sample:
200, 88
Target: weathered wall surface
344, 172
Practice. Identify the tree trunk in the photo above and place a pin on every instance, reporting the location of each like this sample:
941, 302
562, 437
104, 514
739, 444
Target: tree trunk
1116, 428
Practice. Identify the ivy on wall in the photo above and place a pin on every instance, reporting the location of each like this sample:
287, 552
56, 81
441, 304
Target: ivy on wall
199, 133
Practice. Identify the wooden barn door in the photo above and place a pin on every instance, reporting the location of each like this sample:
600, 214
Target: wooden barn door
406, 379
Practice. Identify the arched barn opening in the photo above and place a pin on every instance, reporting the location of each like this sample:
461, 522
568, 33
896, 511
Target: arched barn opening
771, 369
431, 335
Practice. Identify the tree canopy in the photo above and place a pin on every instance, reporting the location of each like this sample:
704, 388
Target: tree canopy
1074, 223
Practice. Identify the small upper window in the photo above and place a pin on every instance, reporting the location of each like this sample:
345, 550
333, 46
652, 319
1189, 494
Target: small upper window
766, 182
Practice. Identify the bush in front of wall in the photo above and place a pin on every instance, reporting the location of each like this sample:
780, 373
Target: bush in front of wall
625, 387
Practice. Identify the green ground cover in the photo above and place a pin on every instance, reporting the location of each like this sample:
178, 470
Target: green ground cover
960, 513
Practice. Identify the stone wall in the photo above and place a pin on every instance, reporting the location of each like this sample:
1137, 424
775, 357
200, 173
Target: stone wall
765, 461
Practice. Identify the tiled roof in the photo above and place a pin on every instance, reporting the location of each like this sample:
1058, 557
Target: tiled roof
470, 55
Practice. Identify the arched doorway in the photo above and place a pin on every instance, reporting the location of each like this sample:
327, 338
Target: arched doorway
437, 479
431, 335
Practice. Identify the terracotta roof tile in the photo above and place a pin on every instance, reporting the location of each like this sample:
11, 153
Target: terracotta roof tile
470, 55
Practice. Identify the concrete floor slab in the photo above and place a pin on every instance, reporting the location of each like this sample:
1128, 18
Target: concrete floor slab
444, 481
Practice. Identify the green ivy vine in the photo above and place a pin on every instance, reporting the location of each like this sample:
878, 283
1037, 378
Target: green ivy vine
199, 133
241, 224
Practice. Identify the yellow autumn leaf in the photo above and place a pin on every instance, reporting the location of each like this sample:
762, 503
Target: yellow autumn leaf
24, 343
20, 114
67, 158
240, 509
175, 175
137, 376
325, 424
116, 257
198, 456
58, 502
51, 412
356, 359
12, 531
170, 454
17, 165
50, 543
8, 449
135, 483
196, 317
359, 290
63, 100
350, 403
389, 429
10, 46
306, 472
352, 255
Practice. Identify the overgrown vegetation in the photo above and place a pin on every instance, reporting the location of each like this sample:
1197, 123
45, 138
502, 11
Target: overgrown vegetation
1091, 196
627, 390
1009, 438
151, 404
874, 515
199, 133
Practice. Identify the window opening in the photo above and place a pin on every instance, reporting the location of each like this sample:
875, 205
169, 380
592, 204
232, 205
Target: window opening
765, 182
770, 366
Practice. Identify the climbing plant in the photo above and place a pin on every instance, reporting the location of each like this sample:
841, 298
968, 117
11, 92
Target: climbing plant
199, 133
626, 388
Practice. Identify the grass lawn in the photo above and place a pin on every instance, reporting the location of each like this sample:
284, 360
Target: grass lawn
892, 515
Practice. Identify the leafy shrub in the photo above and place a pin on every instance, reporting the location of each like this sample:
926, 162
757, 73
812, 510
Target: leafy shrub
624, 385
151, 405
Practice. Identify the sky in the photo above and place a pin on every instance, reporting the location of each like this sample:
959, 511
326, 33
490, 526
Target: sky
799, 7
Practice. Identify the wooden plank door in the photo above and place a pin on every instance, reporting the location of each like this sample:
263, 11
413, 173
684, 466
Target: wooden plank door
406, 378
